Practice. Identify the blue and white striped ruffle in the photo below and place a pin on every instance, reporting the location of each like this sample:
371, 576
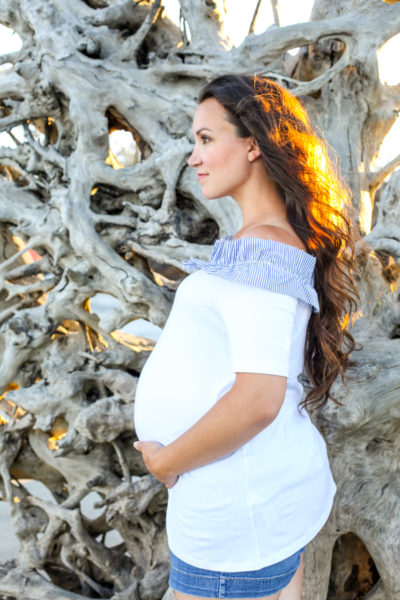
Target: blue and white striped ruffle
268, 264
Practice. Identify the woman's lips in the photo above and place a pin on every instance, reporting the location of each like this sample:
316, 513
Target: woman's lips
201, 176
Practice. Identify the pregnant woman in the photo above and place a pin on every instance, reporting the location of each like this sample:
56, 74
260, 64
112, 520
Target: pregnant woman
218, 409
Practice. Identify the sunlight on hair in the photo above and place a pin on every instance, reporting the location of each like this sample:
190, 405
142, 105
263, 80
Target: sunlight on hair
346, 319
357, 315
327, 196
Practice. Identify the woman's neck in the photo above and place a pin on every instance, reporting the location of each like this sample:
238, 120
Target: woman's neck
259, 200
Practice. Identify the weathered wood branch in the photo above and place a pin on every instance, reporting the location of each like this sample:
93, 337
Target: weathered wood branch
275, 11
354, 24
205, 23
377, 178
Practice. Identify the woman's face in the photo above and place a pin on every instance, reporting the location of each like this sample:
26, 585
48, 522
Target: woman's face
222, 159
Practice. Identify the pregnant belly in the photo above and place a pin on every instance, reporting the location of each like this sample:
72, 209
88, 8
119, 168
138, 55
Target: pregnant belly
171, 397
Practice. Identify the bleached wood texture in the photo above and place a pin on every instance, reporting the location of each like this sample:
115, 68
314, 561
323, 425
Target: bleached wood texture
68, 382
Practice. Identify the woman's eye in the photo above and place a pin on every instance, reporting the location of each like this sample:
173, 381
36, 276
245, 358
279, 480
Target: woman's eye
205, 139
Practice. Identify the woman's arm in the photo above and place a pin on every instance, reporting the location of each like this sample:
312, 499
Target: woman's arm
250, 405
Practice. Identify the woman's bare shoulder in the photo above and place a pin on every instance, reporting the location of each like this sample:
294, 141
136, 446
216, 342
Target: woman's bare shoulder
273, 232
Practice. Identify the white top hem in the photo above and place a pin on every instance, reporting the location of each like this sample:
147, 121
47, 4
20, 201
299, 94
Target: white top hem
228, 567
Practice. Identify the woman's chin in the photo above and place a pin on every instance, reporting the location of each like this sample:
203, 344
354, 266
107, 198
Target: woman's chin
212, 195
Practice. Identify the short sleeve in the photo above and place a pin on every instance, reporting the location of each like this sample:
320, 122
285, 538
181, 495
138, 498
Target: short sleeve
259, 325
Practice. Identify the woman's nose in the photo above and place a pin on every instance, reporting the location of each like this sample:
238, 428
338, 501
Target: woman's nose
193, 159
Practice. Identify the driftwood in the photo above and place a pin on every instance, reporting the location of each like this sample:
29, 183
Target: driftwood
68, 377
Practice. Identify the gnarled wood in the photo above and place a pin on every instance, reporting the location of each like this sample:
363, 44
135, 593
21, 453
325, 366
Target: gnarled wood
68, 378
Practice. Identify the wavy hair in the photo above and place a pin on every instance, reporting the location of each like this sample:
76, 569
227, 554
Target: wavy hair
317, 204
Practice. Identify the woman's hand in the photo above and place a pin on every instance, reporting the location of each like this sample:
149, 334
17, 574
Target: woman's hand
152, 455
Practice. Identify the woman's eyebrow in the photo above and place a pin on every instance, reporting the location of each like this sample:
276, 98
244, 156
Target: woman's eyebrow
201, 129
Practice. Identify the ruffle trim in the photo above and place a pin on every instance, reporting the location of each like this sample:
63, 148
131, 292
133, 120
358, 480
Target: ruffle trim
268, 264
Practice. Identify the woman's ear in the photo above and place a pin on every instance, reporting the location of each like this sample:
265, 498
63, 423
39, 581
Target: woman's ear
254, 150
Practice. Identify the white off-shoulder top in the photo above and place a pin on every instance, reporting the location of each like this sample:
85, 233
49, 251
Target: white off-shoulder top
246, 309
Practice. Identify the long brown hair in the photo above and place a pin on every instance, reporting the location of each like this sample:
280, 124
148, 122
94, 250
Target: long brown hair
317, 203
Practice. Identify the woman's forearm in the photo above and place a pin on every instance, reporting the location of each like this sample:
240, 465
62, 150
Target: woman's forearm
233, 420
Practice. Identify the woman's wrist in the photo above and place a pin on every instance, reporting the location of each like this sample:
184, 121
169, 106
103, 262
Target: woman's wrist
161, 464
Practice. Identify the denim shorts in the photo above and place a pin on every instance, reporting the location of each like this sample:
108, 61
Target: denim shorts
237, 584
